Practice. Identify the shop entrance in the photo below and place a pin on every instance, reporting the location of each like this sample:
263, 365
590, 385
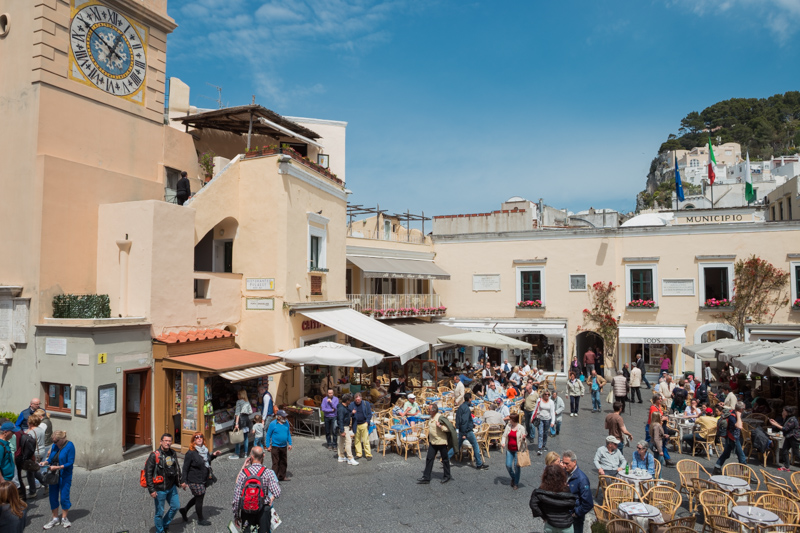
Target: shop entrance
586, 340
136, 430
715, 335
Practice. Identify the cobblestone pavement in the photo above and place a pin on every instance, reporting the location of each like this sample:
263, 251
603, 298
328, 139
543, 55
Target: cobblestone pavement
379, 495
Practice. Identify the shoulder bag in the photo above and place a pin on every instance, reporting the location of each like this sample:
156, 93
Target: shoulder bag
523, 457
236, 436
53, 476
32, 463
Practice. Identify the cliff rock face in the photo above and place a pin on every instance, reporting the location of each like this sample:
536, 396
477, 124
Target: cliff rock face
660, 171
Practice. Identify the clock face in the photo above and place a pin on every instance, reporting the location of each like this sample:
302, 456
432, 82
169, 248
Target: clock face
108, 51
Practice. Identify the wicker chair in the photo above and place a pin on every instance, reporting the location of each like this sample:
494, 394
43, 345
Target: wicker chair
623, 526
777, 480
688, 470
409, 440
618, 493
782, 528
656, 469
751, 496
603, 482
781, 490
715, 502
603, 514
795, 477
725, 524
648, 484
385, 437
787, 509
741, 471
679, 524
482, 436
705, 442
665, 499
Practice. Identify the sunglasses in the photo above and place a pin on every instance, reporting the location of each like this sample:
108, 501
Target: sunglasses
200, 437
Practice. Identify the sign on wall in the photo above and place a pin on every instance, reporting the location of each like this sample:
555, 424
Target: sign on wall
260, 284
260, 304
55, 346
485, 282
677, 287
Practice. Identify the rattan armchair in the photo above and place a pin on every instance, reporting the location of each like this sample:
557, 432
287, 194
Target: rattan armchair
665, 499
772, 478
795, 478
603, 513
689, 470
781, 490
742, 471
683, 524
618, 493
648, 484
623, 526
781, 528
603, 482
787, 509
715, 502
725, 524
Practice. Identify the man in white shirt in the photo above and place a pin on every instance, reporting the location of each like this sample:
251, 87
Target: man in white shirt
526, 368
730, 399
506, 367
458, 391
666, 387
487, 370
503, 410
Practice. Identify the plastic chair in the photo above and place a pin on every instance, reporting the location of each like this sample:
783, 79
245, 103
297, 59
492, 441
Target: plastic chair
665, 499
618, 493
623, 526
738, 470
787, 509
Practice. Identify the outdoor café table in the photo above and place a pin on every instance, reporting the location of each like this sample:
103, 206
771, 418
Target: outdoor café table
641, 513
755, 516
733, 485
778, 439
445, 409
432, 399
445, 393
634, 479
398, 431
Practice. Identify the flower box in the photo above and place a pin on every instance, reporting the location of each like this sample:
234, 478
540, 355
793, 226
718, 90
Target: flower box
641, 304
713, 303
796, 305
530, 304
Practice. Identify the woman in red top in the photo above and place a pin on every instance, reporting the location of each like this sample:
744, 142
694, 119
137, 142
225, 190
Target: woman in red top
514, 441
653, 408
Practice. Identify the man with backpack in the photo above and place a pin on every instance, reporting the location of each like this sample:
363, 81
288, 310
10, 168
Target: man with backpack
255, 490
162, 477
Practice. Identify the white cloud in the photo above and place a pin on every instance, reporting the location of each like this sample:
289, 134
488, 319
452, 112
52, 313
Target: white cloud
263, 35
781, 18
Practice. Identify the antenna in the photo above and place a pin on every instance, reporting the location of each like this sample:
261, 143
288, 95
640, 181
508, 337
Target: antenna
218, 100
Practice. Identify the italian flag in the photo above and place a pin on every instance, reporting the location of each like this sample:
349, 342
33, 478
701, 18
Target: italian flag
749, 193
711, 163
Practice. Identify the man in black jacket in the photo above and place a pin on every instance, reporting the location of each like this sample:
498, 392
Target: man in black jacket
344, 418
184, 189
163, 475
397, 386
465, 427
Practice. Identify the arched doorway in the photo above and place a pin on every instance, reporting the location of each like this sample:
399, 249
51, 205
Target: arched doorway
584, 341
714, 332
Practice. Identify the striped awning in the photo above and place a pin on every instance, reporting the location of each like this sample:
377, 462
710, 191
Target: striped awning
255, 372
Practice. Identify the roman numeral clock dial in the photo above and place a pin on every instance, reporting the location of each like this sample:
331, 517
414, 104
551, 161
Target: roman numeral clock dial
108, 51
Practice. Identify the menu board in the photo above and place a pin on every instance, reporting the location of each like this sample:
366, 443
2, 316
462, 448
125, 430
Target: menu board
191, 402
80, 401
107, 399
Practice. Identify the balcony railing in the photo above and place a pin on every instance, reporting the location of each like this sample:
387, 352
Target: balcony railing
397, 305
381, 235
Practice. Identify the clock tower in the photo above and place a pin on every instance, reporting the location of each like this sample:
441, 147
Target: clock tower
82, 86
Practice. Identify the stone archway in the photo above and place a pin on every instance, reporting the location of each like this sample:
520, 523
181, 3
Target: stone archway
717, 330
585, 340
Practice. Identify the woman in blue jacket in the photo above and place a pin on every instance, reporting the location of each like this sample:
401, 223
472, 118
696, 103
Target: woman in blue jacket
62, 458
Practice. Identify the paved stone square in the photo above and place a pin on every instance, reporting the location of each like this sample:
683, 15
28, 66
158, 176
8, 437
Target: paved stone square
379, 495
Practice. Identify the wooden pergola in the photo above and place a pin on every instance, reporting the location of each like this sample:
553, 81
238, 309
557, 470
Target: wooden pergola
249, 119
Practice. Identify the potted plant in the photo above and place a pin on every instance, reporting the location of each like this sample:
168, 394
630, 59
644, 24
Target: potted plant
714, 303
529, 304
796, 305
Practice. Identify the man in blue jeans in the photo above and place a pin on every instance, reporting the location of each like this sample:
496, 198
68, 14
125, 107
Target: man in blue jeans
732, 441
465, 426
163, 475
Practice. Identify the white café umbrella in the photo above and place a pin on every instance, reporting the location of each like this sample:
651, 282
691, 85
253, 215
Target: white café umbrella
330, 354
485, 338
705, 351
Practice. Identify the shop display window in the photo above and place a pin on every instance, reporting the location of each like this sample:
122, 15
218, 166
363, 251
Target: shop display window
58, 397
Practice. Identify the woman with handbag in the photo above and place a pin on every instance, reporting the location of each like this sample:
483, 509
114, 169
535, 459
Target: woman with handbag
514, 441
59, 476
242, 423
198, 475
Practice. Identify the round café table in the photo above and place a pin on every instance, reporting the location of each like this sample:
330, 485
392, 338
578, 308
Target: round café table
641, 513
733, 485
634, 479
755, 516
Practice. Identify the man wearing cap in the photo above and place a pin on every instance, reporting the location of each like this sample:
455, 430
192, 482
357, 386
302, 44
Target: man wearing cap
608, 460
279, 441
411, 407
6, 454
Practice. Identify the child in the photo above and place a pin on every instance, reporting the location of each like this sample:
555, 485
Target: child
511, 392
258, 431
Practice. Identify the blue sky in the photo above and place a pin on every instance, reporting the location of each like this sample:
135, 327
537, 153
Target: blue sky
453, 107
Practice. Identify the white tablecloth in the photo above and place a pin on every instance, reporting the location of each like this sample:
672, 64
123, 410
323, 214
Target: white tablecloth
653, 514
634, 480
731, 484
754, 515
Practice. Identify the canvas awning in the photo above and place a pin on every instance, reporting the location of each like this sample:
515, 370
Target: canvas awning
705, 351
255, 372
425, 331
652, 335
369, 331
515, 328
483, 338
232, 364
388, 267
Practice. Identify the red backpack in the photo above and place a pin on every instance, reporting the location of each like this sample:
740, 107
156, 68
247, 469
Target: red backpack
251, 499
157, 480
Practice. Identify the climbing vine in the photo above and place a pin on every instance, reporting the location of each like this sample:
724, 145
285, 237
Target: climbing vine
600, 318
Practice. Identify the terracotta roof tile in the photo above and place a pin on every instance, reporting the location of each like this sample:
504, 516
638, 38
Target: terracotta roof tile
193, 335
